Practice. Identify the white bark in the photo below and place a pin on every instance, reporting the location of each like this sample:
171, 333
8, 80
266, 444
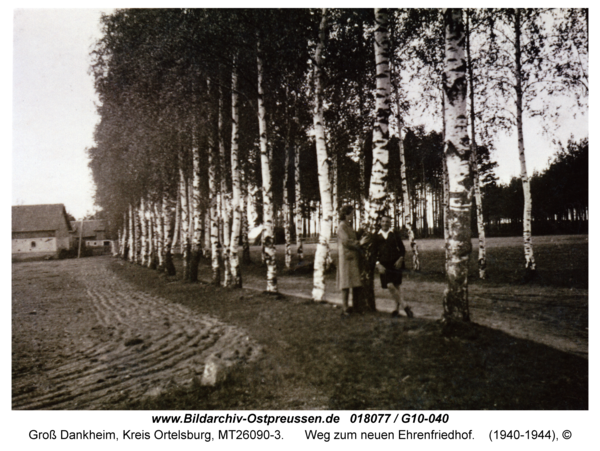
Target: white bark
457, 154
378, 195
123, 238
151, 234
527, 243
177, 225
197, 218
225, 198
138, 235
406, 210
214, 211
298, 212
286, 207
131, 255
144, 228
160, 237
474, 163
268, 234
185, 223
323, 162
236, 203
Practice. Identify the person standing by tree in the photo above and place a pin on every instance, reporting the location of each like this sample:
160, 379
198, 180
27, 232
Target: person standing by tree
348, 274
390, 253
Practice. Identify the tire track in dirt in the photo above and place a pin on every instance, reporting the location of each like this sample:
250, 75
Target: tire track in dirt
130, 345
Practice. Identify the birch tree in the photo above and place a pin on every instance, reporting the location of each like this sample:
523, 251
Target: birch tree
457, 154
236, 202
474, 163
527, 243
185, 221
225, 194
286, 206
378, 194
213, 190
298, 206
517, 68
169, 210
318, 293
196, 222
409, 30
268, 236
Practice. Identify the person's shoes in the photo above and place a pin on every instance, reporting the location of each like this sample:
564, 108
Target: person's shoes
346, 313
409, 312
395, 314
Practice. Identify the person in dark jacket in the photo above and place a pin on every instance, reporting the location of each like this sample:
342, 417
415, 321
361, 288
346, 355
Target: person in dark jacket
390, 262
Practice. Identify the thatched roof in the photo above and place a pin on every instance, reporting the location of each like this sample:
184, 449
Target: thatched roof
90, 227
37, 218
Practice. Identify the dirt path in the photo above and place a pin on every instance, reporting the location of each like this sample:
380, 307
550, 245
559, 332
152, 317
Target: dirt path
554, 316
83, 338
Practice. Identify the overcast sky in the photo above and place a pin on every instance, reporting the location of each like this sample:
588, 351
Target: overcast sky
53, 107
54, 114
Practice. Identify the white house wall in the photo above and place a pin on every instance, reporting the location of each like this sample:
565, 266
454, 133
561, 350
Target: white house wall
34, 245
98, 243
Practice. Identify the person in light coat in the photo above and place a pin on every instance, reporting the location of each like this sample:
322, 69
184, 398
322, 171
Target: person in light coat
348, 271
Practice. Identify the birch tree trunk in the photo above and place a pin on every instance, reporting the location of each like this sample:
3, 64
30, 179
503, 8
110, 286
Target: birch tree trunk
151, 262
124, 251
298, 206
245, 222
225, 197
265, 164
378, 195
457, 154
214, 194
286, 205
236, 275
323, 162
406, 210
138, 235
131, 235
144, 229
160, 237
177, 224
207, 246
445, 185
185, 224
478, 200
197, 219
527, 243
362, 176
169, 212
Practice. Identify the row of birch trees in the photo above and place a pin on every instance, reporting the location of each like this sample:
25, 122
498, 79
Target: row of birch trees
209, 115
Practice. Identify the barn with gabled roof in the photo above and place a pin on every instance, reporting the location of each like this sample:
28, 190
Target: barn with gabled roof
40, 230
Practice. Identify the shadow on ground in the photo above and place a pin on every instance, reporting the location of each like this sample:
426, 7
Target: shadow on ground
315, 359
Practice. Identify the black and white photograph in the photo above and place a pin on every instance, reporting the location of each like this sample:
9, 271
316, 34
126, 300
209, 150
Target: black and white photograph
328, 210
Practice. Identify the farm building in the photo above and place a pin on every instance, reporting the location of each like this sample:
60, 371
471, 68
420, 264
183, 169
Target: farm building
40, 230
93, 230
94, 234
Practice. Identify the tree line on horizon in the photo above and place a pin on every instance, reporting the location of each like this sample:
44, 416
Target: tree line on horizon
207, 114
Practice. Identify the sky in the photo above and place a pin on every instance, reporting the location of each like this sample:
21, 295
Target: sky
53, 114
53, 107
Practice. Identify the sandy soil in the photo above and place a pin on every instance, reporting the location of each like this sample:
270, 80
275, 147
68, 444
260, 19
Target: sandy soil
82, 338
